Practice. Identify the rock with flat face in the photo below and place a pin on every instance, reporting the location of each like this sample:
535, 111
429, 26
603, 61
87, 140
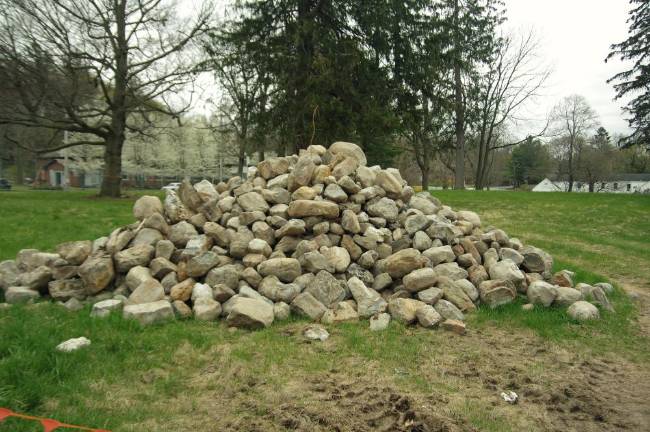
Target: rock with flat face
448, 310
97, 273
37, 279
327, 289
201, 264
148, 291
566, 296
250, 314
285, 269
430, 296
451, 271
306, 304
271, 287
227, 275
455, 294
149, 313
273, 167
306, 208
303, 171
536, 260
389, 183
183, 290
495, 293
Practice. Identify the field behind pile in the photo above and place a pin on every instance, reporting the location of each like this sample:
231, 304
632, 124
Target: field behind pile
191, 376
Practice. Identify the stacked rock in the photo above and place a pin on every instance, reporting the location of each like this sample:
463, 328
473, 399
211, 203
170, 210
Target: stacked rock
318, 234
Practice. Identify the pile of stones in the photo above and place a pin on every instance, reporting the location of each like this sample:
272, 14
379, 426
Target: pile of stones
319, 234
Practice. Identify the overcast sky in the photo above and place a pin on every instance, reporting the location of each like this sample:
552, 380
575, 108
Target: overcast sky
575, 38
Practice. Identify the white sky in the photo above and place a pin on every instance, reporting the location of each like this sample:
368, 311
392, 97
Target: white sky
575, 37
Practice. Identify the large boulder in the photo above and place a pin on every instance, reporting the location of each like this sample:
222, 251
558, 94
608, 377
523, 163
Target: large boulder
404, 310
65, 289
419, 279
536, 260
327, 289
140, 255
495, 293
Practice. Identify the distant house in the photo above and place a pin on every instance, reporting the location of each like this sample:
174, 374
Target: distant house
50, 171
618, 183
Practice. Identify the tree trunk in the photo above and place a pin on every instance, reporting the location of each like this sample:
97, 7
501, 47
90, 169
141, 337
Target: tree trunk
591, 186
112, 179
241, 157
425, 177
459, 171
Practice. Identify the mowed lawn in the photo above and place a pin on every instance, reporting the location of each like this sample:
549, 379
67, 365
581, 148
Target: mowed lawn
187, 376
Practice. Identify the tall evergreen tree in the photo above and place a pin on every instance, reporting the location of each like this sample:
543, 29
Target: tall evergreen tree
636, 80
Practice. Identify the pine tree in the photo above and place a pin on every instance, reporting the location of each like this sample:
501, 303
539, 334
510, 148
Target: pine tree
635, 81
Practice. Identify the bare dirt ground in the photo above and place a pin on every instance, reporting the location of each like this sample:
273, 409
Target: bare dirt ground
457, 388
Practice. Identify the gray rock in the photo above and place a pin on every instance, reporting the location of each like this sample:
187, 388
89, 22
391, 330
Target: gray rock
161, 267
344, 311
8, 274
136, 276
448, 310
327, 289
281, 311
415, 223
181, 233
200, 291
541, 293
315, 332
440, 255
148, 291
350, 222
286, 269
272, 288
430, 296
73, 305
427, 316
139, 255
495, 293
451, 271
335, 193
19, 294
566, 296
37, 279
227, 275
583, 311
536, 260
97, 273
384, 208
379, 322
419, 279
201, 264
382, 281
403, 262
306, 304
75, 252
206, 309
508, 270
149, 313
65, 289
147, 205
250, 314
404, 309
315, 262
104, 308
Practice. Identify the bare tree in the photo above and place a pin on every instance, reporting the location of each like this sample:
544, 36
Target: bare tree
513, 79
93, 67
573, 119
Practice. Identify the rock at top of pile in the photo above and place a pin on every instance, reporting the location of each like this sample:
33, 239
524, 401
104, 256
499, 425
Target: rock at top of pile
318, 234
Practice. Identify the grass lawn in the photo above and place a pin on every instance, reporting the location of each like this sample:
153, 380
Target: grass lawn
188, 376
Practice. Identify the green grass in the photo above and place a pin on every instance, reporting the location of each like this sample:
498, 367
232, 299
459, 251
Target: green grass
596, 235
43, 219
